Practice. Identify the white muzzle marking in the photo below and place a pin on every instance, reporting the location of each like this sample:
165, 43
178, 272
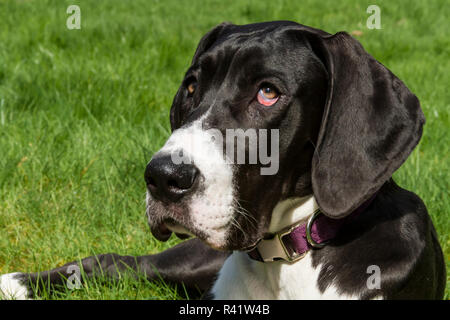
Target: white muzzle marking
211, 209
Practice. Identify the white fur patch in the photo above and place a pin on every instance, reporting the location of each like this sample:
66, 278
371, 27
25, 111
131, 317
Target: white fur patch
11, 288
291, 211
211, 210
243, 278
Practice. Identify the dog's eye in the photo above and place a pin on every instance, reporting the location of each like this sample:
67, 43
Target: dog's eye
267, 95
191, 87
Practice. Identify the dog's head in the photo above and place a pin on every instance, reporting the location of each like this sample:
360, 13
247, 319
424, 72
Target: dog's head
314, 113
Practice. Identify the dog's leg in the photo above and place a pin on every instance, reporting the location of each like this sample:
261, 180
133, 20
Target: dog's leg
191, 262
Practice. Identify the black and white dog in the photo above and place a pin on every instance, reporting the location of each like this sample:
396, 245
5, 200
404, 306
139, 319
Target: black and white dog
331, 217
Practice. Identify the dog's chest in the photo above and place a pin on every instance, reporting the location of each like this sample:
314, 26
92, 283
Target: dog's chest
243, 278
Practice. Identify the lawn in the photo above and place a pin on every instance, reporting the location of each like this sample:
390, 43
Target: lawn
82, 111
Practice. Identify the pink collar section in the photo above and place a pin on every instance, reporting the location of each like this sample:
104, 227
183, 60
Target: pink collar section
292, 244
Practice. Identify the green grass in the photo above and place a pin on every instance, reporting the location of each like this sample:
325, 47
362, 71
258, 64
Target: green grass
82, 111
126, 287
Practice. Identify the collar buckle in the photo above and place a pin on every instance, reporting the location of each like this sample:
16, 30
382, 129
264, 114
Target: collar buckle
276, 248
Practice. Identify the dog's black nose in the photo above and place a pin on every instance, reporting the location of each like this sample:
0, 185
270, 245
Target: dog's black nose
168, 181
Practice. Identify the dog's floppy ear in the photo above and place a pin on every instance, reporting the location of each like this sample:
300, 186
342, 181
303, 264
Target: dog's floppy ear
371, 123
209, 38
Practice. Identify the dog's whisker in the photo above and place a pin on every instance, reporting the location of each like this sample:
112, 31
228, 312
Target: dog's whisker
241, 211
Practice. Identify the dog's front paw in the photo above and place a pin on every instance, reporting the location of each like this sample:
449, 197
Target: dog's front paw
13, 287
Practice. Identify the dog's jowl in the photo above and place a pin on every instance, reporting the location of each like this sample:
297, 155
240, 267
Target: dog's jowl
306, 211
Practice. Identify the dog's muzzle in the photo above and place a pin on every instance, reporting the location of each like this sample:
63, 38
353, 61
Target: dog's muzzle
168, 183
190, 182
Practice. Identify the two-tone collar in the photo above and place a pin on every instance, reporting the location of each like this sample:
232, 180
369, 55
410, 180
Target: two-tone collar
312, 230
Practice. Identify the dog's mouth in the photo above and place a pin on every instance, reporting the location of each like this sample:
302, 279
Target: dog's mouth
163, 230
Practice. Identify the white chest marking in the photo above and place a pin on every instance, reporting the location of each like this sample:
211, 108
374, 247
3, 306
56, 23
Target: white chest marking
244, 278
